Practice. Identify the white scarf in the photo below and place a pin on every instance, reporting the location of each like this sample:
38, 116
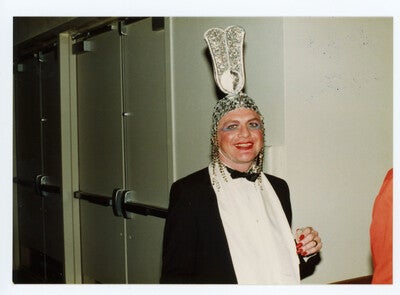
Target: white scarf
259, 237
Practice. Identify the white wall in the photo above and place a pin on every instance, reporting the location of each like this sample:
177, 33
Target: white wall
338, 132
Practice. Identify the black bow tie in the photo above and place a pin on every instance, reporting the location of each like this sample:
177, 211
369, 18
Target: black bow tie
237, 174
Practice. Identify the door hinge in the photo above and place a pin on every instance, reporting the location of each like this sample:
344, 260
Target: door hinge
122, 28
82, 47
39, 56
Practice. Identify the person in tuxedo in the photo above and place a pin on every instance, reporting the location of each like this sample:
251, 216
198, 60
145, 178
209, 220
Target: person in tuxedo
230, 223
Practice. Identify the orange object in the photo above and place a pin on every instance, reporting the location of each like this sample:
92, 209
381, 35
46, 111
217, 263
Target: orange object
381, 233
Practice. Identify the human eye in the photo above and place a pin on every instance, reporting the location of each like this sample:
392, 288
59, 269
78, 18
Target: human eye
254, 125
230, 127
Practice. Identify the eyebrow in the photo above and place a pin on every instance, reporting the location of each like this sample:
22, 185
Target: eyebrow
238, 121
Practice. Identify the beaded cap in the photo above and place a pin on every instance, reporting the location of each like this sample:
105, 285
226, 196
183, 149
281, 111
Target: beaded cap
226, 48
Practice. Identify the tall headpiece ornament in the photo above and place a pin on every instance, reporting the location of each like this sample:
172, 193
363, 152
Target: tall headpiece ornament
226, 48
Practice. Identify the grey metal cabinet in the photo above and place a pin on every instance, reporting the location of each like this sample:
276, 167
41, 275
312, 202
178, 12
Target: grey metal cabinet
100, 157
122, 125
146, 153
38, 165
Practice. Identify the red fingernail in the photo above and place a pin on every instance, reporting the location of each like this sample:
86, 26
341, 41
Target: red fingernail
299, 245
301, 237
299, 251
304, 253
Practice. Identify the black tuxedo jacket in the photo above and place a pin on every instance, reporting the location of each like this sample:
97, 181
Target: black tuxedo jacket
195, 248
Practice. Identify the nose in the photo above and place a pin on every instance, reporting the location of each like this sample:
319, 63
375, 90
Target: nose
244, 131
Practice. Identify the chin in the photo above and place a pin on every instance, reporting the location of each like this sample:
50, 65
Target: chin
246, 159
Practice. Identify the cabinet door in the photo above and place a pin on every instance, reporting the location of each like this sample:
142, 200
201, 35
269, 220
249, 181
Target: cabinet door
100, 157
37, 110
51, 165
146, 146
29, 165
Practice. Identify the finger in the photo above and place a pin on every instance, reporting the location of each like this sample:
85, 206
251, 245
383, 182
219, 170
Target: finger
302, 233
299, 231
316, 247
312, 235
311, 247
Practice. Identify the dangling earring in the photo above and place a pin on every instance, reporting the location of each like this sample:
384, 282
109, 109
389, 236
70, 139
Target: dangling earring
215, 159
260, 160
260, 156
214, 151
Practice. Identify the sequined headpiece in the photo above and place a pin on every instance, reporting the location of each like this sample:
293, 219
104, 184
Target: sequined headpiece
226, 48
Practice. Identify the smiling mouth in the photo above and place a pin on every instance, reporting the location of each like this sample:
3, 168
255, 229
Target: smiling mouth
244, 146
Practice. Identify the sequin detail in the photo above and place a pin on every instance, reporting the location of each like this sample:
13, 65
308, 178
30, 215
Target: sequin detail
226, 48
